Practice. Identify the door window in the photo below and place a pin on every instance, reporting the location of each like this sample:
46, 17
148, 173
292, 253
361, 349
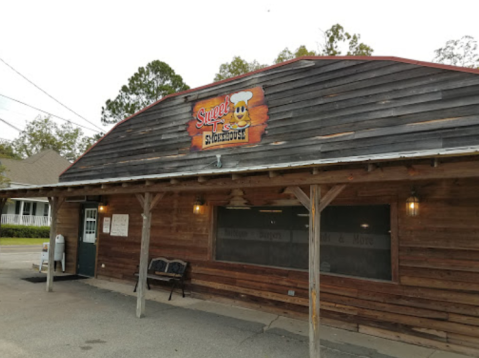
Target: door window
89, 234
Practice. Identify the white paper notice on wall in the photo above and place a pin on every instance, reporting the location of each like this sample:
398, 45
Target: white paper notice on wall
119, 225
106, 225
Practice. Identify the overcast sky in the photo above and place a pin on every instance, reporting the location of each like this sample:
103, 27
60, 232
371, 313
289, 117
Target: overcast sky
83, 52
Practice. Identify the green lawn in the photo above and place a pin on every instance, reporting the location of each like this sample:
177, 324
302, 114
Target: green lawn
21, 241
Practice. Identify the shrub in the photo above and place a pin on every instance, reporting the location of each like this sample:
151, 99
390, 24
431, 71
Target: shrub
25, 231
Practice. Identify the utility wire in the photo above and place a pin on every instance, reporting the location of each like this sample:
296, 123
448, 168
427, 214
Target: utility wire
10, 125
50, 114
71, 110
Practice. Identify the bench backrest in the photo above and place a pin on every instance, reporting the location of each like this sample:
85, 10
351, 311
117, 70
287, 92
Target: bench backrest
168, 267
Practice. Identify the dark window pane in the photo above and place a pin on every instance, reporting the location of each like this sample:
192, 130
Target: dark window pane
26, 208
355, 240
46, 208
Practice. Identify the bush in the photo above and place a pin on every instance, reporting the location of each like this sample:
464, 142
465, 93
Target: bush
25, 231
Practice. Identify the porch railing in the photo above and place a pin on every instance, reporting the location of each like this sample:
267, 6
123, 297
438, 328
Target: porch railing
26, 220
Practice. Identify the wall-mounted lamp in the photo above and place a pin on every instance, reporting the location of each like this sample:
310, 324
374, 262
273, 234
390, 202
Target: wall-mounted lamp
102, 207
412, 204
199, 206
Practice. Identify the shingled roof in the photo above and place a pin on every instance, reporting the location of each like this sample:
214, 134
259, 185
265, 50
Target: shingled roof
320, 111
42, 168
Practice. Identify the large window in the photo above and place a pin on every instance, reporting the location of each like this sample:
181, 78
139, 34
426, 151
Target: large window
355, 240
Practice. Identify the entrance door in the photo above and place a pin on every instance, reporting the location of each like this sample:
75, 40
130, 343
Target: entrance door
87, 240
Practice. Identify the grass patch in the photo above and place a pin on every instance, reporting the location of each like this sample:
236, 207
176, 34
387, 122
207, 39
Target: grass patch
21, 241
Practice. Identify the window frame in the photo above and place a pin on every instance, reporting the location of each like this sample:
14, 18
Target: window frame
392, 202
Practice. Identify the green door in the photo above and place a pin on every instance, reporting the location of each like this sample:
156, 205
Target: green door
87, 240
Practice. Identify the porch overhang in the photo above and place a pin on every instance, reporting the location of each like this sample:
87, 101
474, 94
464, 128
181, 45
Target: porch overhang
418, 165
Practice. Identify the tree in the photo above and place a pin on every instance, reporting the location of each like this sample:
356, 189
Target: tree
336, 39
7, 150
43, 133
237, 67
3, 179
287, 55
152, 82
462, 52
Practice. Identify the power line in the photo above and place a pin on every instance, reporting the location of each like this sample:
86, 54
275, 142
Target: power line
10, 125
71, 110
50, 114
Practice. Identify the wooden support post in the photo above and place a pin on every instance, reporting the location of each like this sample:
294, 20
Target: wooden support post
145, 247
148, 204
314, 255
55, 204
3, 202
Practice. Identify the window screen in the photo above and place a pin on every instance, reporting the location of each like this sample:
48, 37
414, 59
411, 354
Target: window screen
355, 240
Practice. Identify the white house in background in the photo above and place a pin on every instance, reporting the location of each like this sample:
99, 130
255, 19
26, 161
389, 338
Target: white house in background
42, 168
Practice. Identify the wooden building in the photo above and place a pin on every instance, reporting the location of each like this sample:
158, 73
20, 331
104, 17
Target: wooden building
377, 154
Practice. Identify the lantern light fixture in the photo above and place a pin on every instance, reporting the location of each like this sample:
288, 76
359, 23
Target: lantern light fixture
412, 204
199, 206
102, 206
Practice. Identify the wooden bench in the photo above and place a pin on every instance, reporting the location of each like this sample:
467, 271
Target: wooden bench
162, 269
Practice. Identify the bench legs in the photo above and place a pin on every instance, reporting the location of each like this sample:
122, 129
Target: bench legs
172, 288
147, 283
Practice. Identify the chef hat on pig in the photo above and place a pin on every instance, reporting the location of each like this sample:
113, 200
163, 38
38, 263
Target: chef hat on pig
241, 96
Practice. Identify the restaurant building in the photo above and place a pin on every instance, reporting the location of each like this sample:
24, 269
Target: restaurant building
336, 189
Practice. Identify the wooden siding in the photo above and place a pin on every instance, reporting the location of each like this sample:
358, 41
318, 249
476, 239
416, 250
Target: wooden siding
318, 109
68, 226
434, 300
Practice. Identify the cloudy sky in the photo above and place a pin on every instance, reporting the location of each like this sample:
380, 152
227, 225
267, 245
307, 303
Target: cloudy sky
81, 53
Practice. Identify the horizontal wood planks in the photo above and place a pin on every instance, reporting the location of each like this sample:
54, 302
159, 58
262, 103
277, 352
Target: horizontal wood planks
319, 109
434, 302
69, 226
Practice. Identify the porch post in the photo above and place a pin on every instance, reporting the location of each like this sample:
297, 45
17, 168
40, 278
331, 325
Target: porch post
314, 255
145, 248
55, 203
3, 202
21, 212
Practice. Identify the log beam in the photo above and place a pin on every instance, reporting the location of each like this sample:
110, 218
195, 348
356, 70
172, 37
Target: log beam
452, 170
55, 203
141, 199
302, 197
144, 253
314, 257
330, 196
148, 203
156, 199
3, 202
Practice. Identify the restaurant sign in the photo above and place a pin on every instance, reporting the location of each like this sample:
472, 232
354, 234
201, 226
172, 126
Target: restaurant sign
234, 119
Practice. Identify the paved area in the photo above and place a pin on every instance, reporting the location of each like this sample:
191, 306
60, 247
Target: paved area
95, 318
17, 257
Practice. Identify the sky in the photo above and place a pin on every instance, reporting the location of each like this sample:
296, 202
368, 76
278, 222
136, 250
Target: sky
81, 53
